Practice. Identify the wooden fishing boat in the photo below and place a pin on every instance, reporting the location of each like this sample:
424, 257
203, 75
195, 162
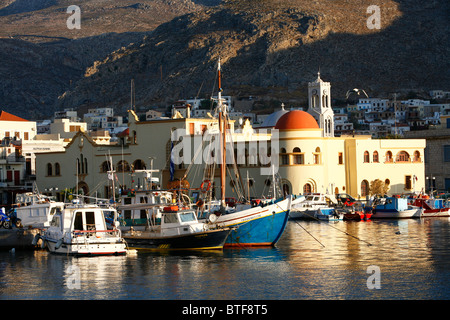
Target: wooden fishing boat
178, 230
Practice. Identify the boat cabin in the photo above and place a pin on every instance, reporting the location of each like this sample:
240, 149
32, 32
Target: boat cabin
180, 222
138, 216
38, 214
393, 203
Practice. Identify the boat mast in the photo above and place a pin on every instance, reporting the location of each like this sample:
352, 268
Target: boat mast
222, 130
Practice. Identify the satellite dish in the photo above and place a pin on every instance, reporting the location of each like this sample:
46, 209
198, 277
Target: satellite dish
212, 218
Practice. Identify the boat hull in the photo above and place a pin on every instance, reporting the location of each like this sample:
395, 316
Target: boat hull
394, 214
207, 240
257, 226
436, 213
86, 249
304, 214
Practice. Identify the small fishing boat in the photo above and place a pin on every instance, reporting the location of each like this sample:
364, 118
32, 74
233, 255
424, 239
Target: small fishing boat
432, 207
329, 214
308, 206
80, 229
178, 230
35, 210
260, 223
354, 215
396, 208
360, 214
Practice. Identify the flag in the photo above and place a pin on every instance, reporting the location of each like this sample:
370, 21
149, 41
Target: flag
172, 165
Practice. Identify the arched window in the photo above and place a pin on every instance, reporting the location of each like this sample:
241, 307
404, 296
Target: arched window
402, 156
389, 156
49, 169
375, 156
139, 165
307, 188
105, 166
417, 156
57, 169
286, 189
284, 157
85, 166
123, 166
364, 188
81, 164
317, 156
298, 156
366, 157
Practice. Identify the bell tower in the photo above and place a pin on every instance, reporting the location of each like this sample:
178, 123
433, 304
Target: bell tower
319, 105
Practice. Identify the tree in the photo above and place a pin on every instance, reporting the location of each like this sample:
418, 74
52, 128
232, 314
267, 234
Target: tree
378, 187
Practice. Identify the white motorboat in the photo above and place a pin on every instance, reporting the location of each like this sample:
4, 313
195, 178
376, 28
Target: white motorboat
308, 208
35, 210
81, 230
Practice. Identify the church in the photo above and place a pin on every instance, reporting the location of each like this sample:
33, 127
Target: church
313, 160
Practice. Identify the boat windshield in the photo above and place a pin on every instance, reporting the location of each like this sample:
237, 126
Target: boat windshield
187, 216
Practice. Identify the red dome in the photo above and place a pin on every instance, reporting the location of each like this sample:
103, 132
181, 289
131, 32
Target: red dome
296, 119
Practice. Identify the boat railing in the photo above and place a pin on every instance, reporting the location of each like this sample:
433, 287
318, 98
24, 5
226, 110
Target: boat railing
96, 233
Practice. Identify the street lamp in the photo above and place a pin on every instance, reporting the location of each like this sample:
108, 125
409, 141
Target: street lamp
431, 185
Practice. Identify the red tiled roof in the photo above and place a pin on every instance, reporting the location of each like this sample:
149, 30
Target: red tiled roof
5, 116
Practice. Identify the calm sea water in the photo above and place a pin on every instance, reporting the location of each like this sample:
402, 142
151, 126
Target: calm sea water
404, 259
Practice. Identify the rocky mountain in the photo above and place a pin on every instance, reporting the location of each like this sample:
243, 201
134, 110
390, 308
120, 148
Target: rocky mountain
41, 57
268, 48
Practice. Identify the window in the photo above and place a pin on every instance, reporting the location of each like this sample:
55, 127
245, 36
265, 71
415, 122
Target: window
317, 156
389, 156
408, 183
366, 157
25, 136
446, 153
284, 157
298, 156
340, 158
417, 156
123, 166
375, 156
57, 169
105, 166
78, 222
307, 188
139, 165
90, 220
402, 156
364, 188
49, 169
447, 184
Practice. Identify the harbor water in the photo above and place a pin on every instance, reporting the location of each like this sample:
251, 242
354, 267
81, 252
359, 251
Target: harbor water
367, 260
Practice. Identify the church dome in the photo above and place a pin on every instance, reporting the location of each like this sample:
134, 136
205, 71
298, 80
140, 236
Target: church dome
296, 119
272, 119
